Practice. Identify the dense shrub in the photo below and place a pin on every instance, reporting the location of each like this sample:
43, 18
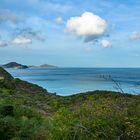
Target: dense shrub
7, 110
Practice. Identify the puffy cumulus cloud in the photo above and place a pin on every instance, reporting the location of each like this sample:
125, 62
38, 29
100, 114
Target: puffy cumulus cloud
6, 15
134, 35
88, 25
21, 40
105, 43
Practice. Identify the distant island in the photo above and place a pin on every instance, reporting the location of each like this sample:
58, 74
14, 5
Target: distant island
43, 66
16, 65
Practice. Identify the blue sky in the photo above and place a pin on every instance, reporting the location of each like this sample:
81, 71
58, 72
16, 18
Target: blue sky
72, 33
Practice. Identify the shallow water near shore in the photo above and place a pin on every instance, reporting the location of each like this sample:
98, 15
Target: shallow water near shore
68, 81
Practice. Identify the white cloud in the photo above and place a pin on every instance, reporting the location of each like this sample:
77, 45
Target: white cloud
87, 25
134, 35
105, 43
59, 20
21, 40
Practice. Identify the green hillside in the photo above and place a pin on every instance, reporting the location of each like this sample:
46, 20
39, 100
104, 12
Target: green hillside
29, 112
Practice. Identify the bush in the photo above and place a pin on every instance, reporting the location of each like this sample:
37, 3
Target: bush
7, 110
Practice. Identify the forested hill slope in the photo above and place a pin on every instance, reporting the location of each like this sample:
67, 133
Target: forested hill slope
7, 81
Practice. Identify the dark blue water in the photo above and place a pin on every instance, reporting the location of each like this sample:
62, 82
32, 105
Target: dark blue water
67, 81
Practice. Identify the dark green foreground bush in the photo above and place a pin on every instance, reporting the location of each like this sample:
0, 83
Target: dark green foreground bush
91, 116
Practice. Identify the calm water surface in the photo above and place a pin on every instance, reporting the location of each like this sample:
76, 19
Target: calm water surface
67, 81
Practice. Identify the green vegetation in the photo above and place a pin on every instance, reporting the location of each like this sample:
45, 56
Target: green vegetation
28, 112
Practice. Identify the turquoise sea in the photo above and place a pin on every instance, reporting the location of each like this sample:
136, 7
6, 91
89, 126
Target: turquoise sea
67, 81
